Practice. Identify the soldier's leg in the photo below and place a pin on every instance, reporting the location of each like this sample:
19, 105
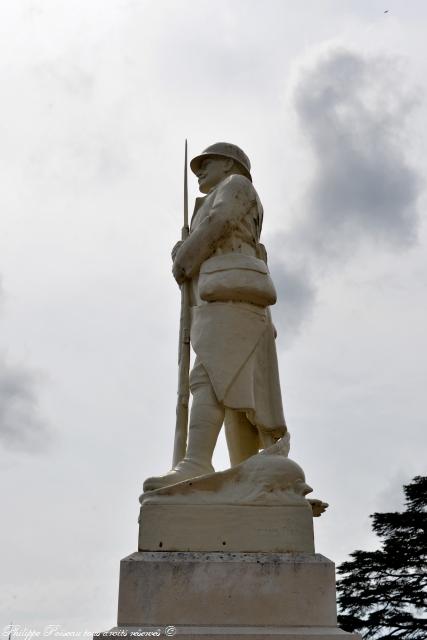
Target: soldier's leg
242, 437
206, 419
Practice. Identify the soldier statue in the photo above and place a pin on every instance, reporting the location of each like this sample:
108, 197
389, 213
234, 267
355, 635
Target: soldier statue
235, 377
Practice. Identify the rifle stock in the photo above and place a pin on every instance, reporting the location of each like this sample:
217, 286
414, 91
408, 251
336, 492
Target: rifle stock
183, 378
181, 425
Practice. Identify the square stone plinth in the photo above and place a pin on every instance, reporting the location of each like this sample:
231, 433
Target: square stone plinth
238, 528
227, 589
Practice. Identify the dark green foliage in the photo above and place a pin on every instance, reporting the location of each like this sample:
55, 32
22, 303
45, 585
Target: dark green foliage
382, 594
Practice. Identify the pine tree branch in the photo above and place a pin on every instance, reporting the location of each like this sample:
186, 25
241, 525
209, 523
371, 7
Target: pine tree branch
380, 591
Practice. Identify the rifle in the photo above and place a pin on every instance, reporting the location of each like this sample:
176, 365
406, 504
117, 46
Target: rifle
181, 425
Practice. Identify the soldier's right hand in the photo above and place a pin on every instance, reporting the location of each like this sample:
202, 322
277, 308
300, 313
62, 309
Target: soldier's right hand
175, 249
178, 273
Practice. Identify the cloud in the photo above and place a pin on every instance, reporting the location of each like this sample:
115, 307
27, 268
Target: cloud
22, 428
21, 425
352, 110
296, 295
362, 191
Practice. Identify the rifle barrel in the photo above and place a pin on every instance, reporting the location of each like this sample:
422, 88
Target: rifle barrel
185, 188
181, 427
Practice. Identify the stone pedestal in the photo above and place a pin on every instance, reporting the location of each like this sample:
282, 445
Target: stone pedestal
216, 527
228, 595
230, 555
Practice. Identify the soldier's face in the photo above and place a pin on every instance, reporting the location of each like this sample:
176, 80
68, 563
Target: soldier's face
211, 172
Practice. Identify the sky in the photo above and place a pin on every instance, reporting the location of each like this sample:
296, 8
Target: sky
328, 99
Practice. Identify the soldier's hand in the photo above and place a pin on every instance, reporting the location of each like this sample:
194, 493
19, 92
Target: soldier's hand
178, 272
175, 249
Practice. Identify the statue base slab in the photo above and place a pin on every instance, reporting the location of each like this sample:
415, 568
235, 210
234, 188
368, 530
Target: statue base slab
239, 528
232, 633
235, 595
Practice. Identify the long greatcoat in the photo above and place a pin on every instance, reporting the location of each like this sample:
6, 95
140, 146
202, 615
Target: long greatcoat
233, 340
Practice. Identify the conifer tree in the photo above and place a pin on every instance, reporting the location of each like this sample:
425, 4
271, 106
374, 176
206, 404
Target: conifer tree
382, 594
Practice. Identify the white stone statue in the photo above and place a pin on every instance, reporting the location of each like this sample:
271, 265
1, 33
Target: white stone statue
235, 378
228, 554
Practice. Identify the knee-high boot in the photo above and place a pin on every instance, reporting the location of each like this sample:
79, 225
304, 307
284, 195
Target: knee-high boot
206, 420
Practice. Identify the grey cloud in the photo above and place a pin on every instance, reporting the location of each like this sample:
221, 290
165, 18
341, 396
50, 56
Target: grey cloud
22, 428
352, 110
21, 425
296, 295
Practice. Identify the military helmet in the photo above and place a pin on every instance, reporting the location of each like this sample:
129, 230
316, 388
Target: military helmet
223, 150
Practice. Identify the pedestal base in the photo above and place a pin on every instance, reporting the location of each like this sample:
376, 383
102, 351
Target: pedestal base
228, 595
234, 633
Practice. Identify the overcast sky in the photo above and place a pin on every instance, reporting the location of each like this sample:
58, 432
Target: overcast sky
328, 99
